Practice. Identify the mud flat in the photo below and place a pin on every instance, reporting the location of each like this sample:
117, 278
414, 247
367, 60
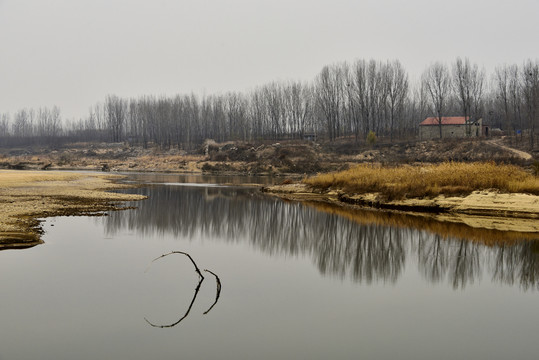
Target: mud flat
481, 209
26, 196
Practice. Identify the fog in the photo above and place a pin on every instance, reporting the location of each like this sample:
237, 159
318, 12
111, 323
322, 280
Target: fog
73, 53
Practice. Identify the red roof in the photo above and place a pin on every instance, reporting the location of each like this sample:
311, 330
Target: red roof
446, 120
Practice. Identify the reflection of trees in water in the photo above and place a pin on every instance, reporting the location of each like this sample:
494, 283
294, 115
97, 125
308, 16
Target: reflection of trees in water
464, 263
432, 256
459, 259
365, 252
517, 264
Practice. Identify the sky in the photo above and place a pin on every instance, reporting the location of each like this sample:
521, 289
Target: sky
72, 53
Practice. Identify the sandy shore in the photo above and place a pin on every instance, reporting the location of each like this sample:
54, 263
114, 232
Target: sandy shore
481, 209
26, 196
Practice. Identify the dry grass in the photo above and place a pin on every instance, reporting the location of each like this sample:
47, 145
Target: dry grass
28, 195
448, 178
15, 179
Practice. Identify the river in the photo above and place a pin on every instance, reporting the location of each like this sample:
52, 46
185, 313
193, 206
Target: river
298, 281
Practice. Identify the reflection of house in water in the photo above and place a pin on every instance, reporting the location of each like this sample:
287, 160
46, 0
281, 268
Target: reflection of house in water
216, 192
211, 193
452, 127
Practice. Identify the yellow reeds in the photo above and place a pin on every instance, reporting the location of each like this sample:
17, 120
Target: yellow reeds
450, 178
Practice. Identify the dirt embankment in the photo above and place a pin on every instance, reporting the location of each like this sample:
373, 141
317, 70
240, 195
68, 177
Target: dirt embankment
225, 158
481, 209
254, 158
26, 196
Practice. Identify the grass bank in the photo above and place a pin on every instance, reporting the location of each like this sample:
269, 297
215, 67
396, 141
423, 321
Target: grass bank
449, 178
26, 196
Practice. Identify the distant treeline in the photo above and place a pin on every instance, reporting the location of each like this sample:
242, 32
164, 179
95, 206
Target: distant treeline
345, 99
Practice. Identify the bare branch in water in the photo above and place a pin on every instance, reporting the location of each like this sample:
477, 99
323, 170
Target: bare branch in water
188, 309
197, 289
184, 253
218, 292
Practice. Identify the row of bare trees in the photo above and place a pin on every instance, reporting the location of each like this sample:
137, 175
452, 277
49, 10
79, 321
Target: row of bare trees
362, 97
41, 126
516, 97
345, 99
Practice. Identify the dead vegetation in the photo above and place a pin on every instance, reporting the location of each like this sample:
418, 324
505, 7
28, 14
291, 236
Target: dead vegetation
449, 178
26, 196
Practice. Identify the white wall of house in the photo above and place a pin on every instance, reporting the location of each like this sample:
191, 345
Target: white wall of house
427, 132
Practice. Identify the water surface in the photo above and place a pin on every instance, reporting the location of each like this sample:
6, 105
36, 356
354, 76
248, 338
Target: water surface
298, 282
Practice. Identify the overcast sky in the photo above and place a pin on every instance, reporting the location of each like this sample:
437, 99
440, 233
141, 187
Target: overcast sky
72, 53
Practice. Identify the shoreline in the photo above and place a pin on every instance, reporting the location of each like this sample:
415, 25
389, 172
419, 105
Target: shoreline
27, 196
491, 210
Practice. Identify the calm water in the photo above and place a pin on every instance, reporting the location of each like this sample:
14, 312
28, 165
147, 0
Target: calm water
298, 282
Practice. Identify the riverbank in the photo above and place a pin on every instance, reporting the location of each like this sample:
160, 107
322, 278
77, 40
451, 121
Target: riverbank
26, 196
485, 208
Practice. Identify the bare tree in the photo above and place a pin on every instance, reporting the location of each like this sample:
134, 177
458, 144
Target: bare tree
352, 96
257, 113
530, 91
116, 114
4, 125
329, 91
468, 83
370, 94
437, 81
478, 89
359, 86
515, 97
418, 106
193, 116
397, 90
377, 93
236, 112
297, 107
274, 106
219, 118
134, 128
23, 124
501, 79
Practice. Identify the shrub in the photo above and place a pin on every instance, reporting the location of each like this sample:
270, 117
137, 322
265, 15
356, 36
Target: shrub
371, 138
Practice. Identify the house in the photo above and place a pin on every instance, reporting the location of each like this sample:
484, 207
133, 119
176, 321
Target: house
452, 127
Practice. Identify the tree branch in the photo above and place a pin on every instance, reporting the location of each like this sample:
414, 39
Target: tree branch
184, 253
188, 309
218, 292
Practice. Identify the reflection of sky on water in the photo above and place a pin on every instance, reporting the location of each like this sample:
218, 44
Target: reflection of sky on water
379, 288
365, 251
